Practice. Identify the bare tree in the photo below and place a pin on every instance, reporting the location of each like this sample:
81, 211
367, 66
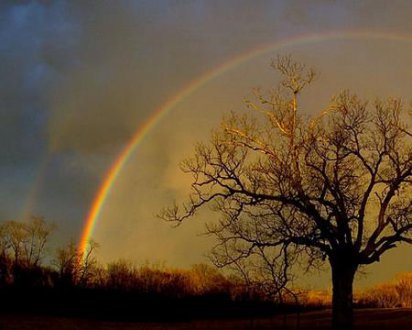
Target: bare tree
15, 237
5, 263
121, 275
25, 242
37, 235
67, 262
335, 187
88, 263
23, 246
76, 267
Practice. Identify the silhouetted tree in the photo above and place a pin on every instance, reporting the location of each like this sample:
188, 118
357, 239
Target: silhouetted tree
335, 187
207, 280
88, 264
37, 232
122, 275
23, 248
5, 262
75, 267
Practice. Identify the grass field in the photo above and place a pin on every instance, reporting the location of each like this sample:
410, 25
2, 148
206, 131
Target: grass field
364, 319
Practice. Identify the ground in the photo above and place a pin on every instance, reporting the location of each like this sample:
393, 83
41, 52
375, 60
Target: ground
365, 319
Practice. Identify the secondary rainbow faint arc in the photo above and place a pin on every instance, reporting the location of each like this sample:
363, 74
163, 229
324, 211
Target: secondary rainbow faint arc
117, 166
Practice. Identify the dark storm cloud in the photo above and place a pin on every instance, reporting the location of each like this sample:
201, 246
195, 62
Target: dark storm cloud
131, 58
25, 27
25, 76
92, 71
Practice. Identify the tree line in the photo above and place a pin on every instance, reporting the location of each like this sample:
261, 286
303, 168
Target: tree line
54, 279
25, 259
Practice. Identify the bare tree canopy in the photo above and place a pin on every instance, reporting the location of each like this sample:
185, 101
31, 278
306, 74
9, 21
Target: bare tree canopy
25, 242
334, 187
76, 267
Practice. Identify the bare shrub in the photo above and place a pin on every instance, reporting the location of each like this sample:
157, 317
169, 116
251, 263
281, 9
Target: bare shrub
397, 293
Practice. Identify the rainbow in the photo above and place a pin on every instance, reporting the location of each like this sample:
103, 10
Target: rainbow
33, 193
119, 163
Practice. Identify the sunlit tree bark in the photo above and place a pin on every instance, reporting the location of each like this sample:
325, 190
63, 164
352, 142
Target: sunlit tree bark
335, 187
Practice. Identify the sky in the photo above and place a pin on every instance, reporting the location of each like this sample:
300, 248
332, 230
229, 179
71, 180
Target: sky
78, 79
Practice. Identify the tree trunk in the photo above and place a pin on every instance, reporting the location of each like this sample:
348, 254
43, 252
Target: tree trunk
342, 299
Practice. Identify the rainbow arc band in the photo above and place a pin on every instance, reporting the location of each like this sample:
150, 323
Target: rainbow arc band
116, 167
